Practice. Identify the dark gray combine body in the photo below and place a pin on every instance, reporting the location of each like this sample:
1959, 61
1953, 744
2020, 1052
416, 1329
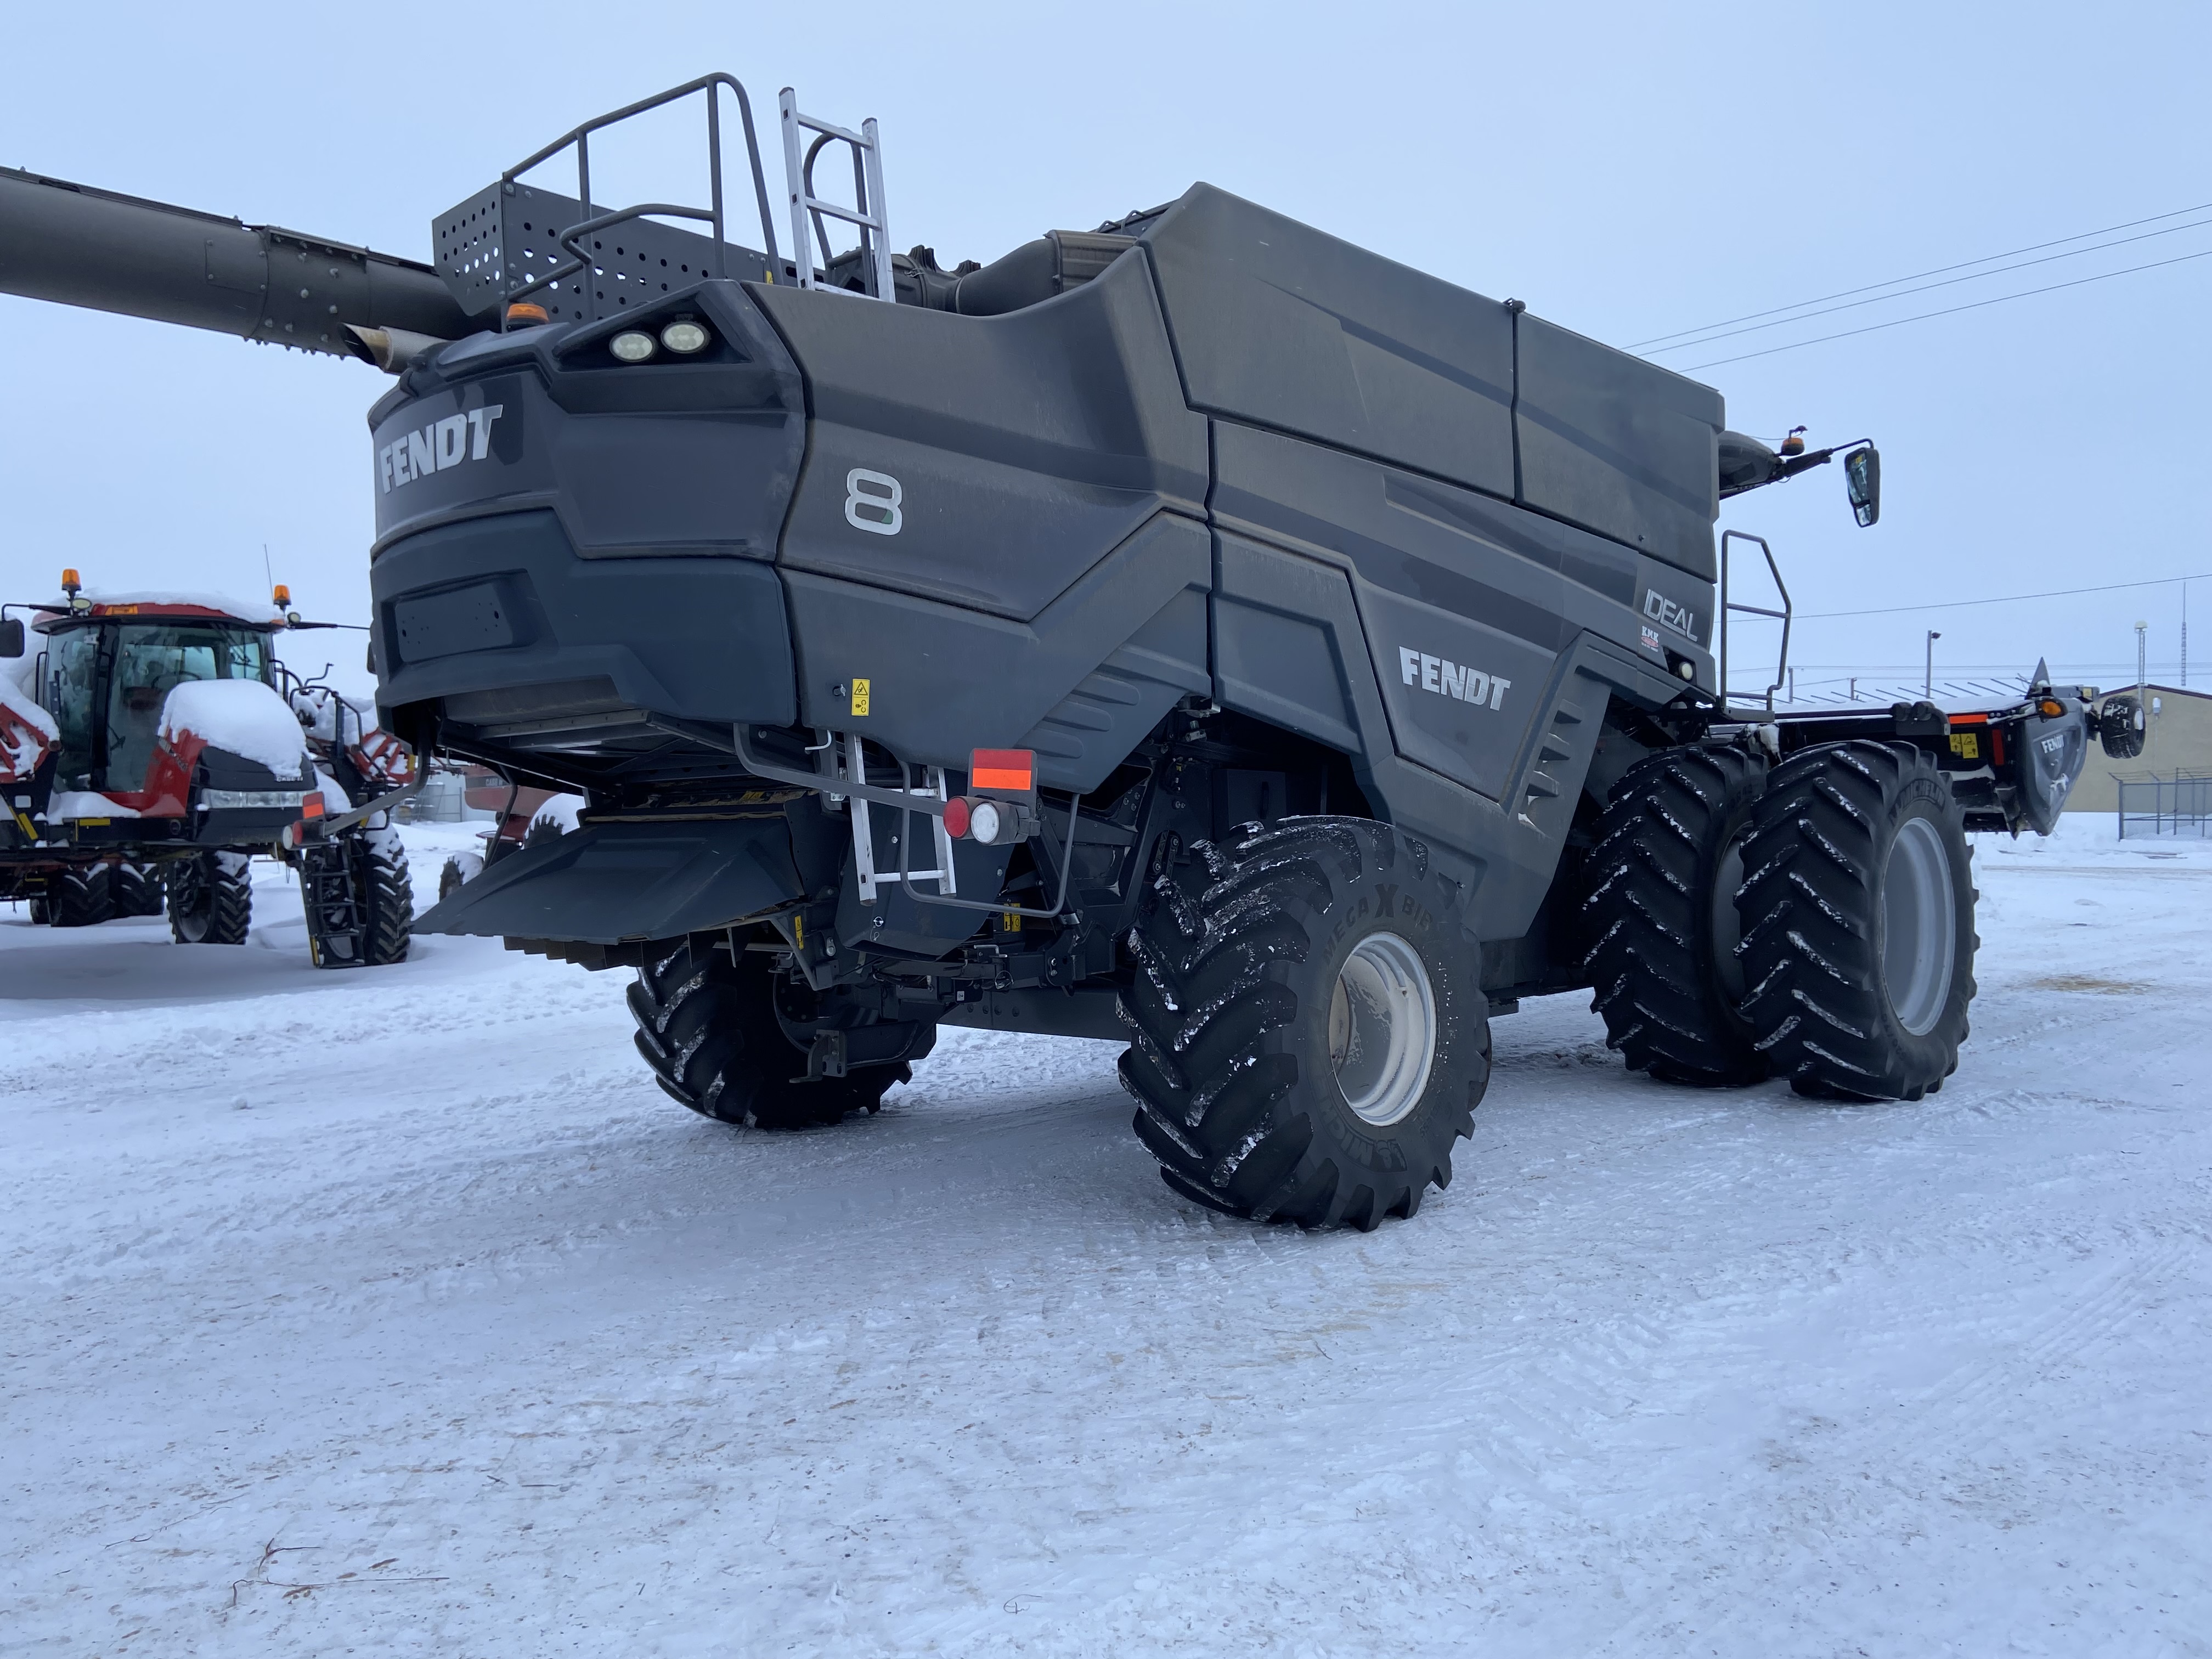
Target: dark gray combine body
1412, 534
1196, 631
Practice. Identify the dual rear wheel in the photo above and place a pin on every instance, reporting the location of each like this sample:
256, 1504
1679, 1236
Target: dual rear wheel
1815, 922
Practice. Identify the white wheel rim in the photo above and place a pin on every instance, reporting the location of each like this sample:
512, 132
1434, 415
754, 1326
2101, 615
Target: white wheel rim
1382, 1029
1920, 927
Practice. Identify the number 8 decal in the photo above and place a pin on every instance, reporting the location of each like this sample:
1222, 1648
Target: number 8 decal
871, 501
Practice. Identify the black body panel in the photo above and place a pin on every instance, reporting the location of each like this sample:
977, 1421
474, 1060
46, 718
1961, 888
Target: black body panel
491, 603
1617, 445
1278, 325
604, 883
1027, 446
671, 458
1081, 683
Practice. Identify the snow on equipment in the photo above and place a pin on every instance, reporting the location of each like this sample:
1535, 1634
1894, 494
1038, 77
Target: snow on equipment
1196, 631
150, 753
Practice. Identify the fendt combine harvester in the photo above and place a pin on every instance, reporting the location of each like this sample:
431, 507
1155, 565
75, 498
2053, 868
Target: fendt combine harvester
1196, 631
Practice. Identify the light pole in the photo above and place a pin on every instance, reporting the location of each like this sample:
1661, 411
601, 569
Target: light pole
2142, 703
1928, 681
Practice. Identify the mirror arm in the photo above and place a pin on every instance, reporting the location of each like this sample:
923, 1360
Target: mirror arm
1795, 463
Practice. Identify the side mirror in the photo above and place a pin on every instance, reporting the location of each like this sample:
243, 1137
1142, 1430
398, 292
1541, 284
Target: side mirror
11, 636
1862, 479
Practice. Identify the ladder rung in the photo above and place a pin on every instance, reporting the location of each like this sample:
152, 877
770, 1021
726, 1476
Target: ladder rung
830, 129
865, 221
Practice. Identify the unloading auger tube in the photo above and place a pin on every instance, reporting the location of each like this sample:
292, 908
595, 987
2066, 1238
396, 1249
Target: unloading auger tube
76, 246
1285, 660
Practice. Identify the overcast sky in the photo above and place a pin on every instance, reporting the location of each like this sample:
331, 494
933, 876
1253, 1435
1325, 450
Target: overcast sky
1627, 170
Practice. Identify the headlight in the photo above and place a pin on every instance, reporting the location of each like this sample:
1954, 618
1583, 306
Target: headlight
250, 800
631, 346
684, 338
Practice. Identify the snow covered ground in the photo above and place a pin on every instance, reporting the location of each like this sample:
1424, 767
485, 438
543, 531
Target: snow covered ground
396, 1312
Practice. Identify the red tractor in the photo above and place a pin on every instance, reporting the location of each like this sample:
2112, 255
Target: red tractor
149, 748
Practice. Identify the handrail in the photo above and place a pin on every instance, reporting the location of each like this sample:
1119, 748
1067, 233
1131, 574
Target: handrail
1727, 605
1059, 904
581, 137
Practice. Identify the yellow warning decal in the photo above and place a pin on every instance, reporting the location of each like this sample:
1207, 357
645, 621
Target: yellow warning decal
860, 697
1967, 745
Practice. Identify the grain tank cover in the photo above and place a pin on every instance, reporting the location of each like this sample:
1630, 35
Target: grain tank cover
1617, 445
1282, 325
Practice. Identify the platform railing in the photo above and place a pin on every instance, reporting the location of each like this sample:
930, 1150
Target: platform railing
580, 138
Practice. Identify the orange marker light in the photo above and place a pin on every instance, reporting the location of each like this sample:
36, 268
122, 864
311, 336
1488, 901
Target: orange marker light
1004, 771
311, 807
69, 582
282, 596
522, 311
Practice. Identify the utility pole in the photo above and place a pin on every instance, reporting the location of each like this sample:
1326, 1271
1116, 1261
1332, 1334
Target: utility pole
1928, 681
2142, 703
2185, 636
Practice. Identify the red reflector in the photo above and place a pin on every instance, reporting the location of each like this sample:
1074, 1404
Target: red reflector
311, 807
956, 818
1003, 771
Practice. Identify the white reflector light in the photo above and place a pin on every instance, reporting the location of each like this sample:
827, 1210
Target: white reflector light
631, 346
684, 338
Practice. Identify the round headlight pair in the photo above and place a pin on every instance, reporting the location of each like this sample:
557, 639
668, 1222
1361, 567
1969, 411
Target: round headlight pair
633, 345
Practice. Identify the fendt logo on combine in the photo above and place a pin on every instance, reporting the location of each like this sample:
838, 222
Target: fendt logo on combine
433, 448
1447, 679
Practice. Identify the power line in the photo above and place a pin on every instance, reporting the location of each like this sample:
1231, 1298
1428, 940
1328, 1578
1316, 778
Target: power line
1948, 282
2005, 599
1939, 270
1921, 317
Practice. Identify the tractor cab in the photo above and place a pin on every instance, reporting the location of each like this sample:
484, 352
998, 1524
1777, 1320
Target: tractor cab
165, 707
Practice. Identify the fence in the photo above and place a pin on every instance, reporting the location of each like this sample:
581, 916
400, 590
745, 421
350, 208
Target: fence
2178, 806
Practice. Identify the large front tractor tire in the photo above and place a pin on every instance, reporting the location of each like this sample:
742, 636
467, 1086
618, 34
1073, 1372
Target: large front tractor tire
1309, 1032
359, 898
210, 899
1663, 966
1857, 909
728, 1037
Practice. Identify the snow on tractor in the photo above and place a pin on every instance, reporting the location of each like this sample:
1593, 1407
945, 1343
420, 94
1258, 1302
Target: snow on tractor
149, 748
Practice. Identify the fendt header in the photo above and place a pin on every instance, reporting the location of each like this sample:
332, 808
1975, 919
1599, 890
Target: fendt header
1196, 631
